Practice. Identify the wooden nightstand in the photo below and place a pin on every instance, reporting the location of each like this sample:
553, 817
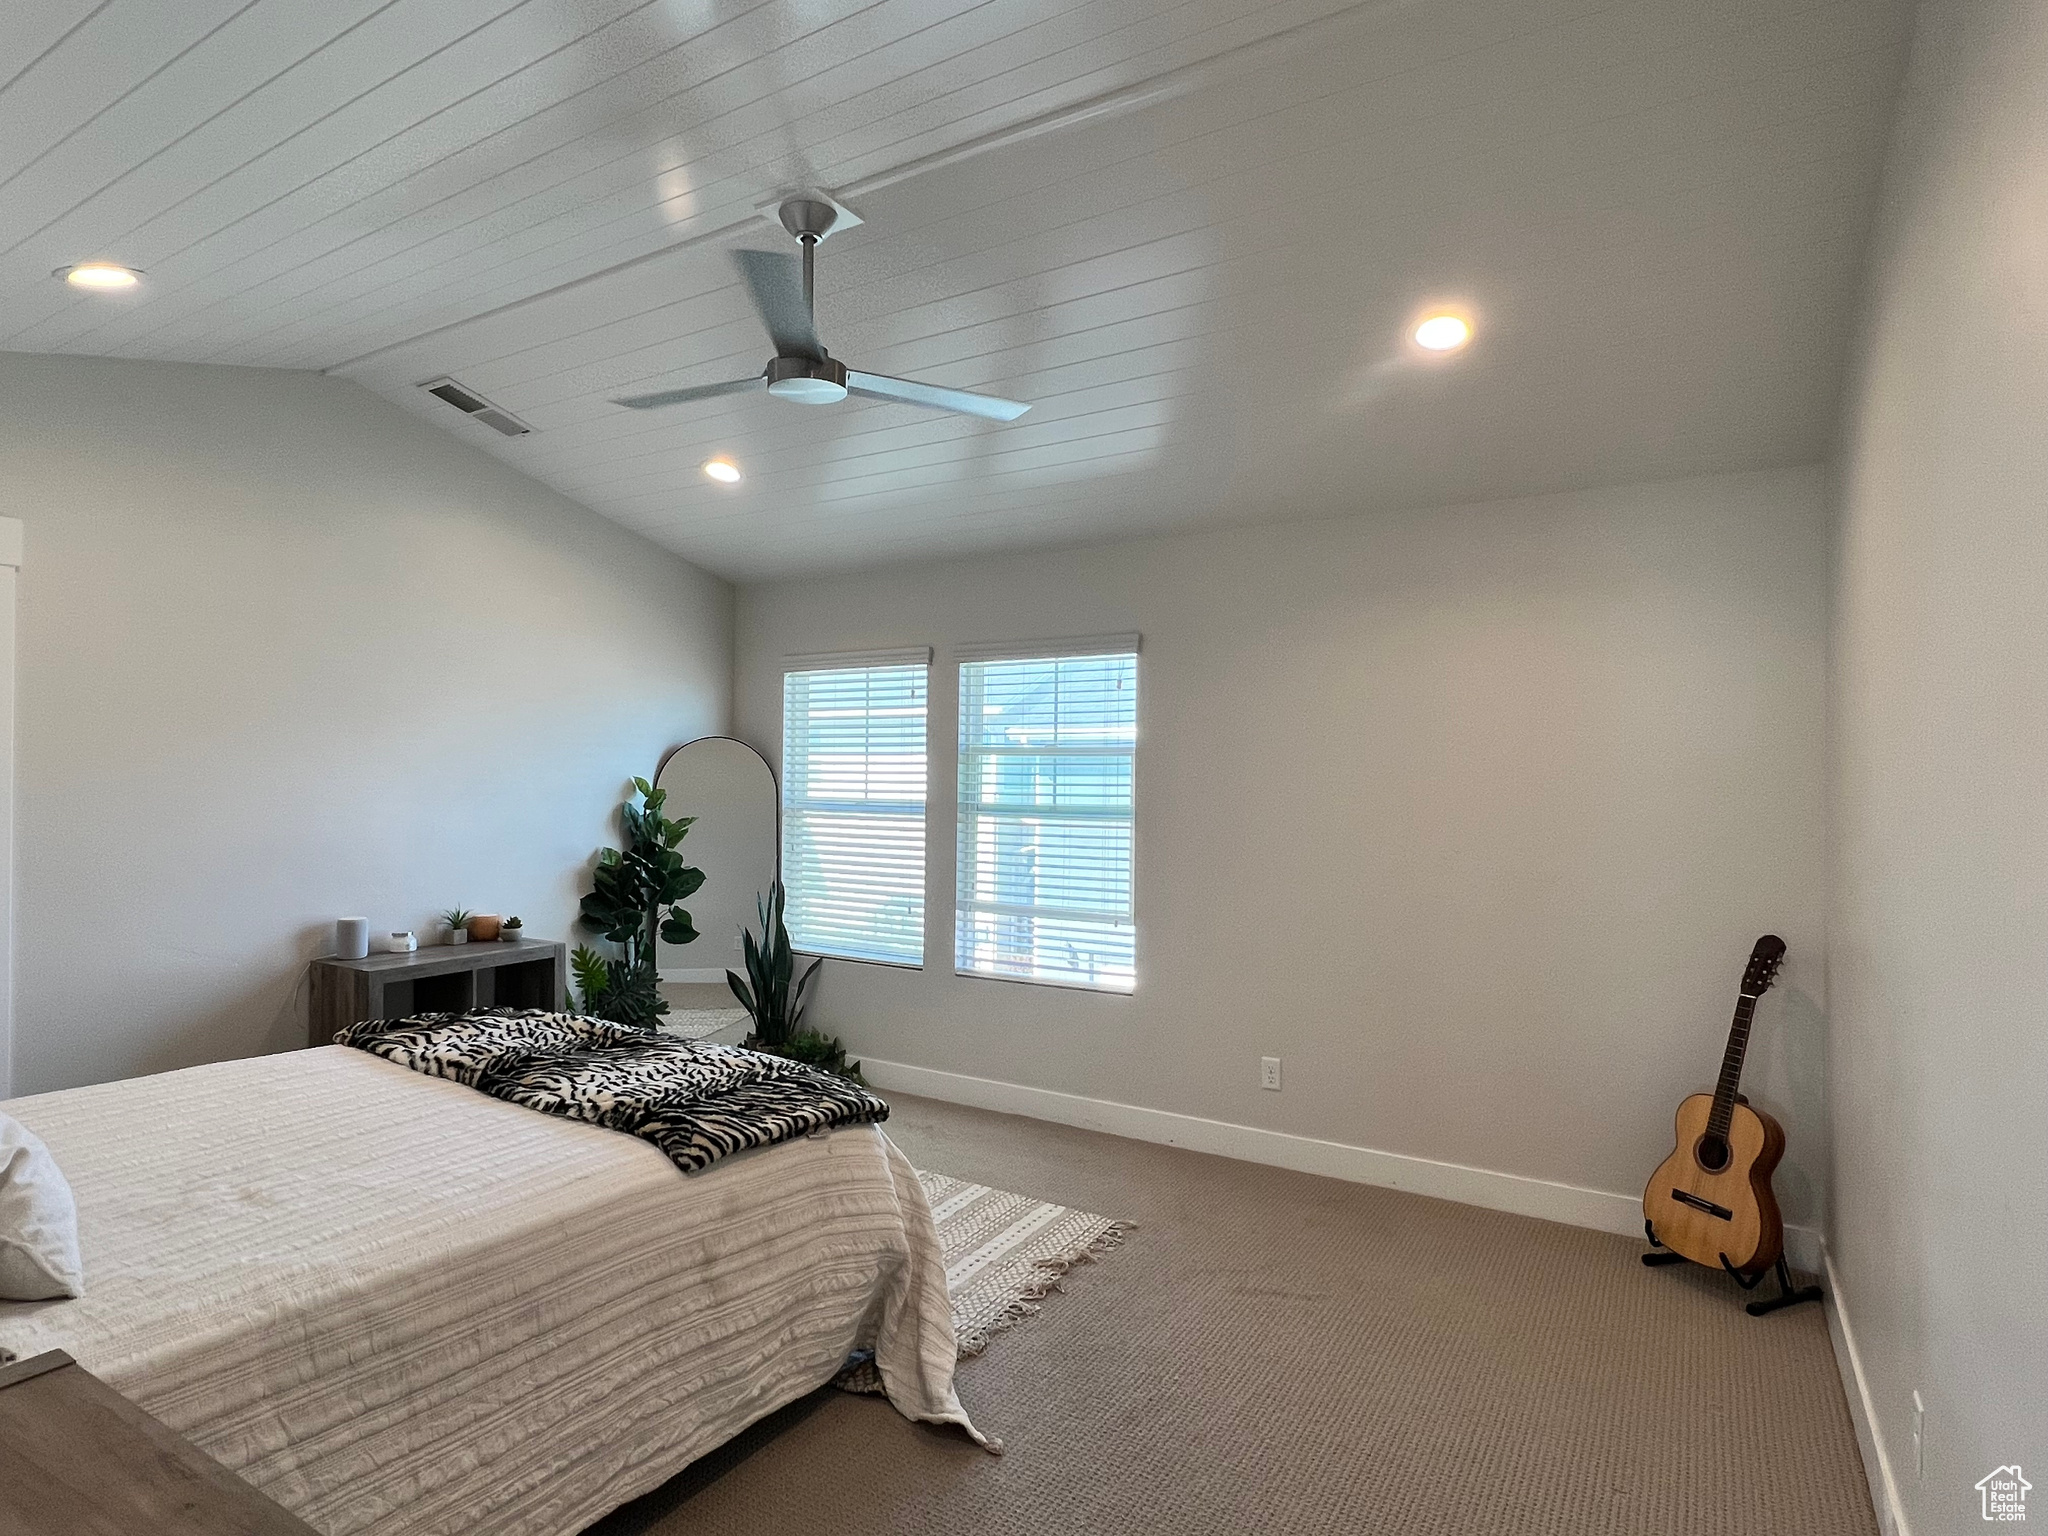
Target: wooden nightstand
78, 1459
528, 973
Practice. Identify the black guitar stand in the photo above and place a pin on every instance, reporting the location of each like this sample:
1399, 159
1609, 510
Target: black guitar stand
1788, 1295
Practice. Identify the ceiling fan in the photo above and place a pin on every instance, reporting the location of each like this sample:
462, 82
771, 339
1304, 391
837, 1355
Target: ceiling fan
801, 370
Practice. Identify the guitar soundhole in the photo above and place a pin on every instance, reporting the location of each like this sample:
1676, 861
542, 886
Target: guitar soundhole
1711, 1152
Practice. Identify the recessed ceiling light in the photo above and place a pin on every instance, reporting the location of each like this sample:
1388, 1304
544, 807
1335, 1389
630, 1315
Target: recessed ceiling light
724, 471
100, 276
1443, 333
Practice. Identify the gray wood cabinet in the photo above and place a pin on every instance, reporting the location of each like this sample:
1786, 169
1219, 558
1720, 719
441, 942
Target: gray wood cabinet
526, 973
78, 1459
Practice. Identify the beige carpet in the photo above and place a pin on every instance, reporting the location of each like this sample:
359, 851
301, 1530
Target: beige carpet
1273, 1352
699, 1023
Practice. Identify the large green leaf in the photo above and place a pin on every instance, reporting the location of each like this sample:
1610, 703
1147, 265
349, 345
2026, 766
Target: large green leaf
593, 977
635, 997
632, 890
739, 990
796, 1009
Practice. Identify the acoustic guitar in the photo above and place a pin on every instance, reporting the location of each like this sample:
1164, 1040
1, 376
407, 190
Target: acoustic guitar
1711, 1199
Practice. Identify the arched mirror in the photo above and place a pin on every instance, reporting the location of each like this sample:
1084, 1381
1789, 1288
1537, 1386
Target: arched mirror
730, 789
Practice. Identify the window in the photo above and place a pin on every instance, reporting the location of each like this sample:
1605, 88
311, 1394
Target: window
1047, 745
853, 786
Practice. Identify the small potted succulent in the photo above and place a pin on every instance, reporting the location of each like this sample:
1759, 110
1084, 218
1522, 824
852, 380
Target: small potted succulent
457, 920
513, 931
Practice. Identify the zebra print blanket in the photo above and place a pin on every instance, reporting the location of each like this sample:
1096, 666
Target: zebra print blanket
696, 1101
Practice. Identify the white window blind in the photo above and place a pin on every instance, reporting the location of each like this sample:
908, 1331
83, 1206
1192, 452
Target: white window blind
853, 790
1047, 749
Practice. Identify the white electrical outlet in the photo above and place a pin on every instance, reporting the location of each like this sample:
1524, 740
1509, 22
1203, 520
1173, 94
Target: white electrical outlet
1919, 1439
1269, 1073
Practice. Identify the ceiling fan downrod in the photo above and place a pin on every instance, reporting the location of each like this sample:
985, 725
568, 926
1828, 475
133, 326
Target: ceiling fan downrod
810, 221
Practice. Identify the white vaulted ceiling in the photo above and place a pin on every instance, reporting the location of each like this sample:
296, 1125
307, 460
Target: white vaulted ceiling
1192, 233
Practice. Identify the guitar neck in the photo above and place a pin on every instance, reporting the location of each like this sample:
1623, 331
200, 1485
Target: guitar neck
1731, 1065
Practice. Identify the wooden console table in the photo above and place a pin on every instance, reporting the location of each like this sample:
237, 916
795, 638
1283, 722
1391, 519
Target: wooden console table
526, 973
78, 1459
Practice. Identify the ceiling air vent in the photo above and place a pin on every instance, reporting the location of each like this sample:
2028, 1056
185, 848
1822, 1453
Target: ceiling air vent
475, 406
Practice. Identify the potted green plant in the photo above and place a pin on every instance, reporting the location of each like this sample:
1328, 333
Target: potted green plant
634, 904
775, 1004
512, 931
457, 920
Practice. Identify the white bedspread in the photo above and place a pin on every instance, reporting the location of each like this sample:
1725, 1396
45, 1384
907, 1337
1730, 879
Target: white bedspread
395, 1304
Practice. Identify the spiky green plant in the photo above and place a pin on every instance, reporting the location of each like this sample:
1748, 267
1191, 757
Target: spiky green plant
773, 994
777, 1007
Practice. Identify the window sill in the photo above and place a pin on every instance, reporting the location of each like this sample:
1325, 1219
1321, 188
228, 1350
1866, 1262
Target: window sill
1089, 987
887, 965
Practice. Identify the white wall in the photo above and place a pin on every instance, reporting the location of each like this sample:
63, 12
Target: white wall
287, 653
1938, 964
11, 541
1470, 815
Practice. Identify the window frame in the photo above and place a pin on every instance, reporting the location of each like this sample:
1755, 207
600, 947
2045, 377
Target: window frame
854, 661
968, 816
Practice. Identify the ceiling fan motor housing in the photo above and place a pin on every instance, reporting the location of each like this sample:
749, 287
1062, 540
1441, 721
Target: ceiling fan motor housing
807, 381
808, 218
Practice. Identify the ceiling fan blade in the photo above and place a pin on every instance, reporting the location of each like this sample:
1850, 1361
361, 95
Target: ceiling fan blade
776, 282
882, 387
695, 392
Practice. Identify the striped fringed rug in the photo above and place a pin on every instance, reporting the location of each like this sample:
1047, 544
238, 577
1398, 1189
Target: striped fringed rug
1004, 1254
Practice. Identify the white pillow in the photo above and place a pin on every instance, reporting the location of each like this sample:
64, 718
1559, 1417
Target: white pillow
38, 1221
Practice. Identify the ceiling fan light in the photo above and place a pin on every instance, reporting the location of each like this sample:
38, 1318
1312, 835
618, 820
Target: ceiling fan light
724, 471
807, 380
808, 391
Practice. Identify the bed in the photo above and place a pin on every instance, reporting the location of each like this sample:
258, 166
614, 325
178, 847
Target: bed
396, 1304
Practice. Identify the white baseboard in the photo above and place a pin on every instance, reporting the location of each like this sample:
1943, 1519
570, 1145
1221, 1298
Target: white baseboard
1805, 1250
1571, 1204
1877, 1467
698, 975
